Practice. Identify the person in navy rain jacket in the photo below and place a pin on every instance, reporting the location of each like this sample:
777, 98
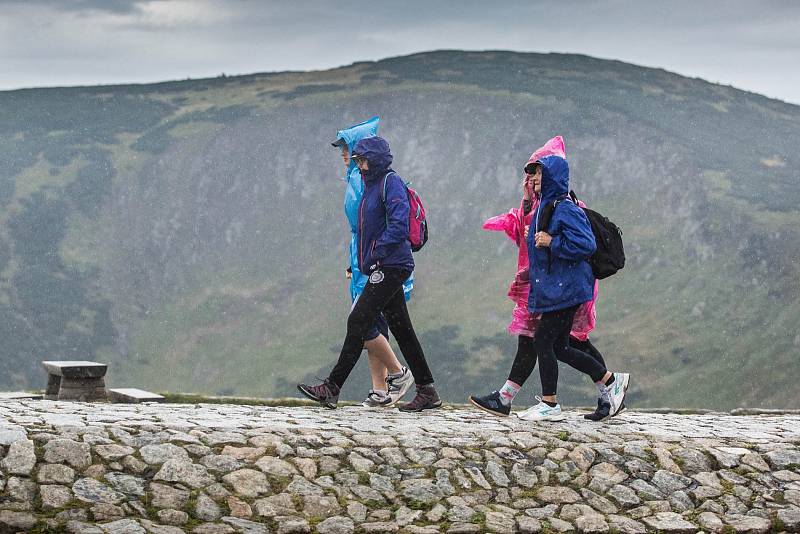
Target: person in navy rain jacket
561, 280
384, 254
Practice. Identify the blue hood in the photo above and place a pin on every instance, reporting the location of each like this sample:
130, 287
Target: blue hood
555, 178
377, 153
354, 134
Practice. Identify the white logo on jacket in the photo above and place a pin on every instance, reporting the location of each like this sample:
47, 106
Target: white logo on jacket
376, 277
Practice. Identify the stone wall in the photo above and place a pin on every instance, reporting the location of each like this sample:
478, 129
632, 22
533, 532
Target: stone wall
73, 467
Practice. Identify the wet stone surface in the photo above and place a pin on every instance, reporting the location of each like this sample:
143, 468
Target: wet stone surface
213, 468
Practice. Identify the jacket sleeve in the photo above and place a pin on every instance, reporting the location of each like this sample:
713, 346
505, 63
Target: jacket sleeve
574, 239
397, 208
507, 222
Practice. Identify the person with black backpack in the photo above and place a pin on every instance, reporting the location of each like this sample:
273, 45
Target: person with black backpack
515, 224
560, 245
385, 255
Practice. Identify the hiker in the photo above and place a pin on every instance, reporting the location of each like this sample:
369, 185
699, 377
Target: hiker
390, 380
524, 323
540, 332
384, 254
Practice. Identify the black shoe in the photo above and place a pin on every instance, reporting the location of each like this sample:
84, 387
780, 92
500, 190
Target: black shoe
327, 393
491, 403
426, 399
602, 412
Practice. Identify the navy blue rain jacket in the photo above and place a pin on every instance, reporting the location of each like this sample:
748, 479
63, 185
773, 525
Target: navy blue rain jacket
382, 225
563, 277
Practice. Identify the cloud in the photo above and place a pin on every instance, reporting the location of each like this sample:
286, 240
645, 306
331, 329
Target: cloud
79, 6
49, 42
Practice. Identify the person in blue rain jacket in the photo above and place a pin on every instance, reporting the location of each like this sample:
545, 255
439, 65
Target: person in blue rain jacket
560, 244
384, 253
390, 380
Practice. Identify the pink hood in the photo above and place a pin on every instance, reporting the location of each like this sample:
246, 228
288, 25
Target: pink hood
554, 147
513, 224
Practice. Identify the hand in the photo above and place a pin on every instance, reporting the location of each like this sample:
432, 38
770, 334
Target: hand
526, 190
348, 273
527, 228
542, 239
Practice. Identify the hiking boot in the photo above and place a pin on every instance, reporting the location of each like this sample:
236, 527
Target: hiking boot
426, 399
603, 411
398, 385
616, 391
327, 393
491, 403
376, 399
542, 412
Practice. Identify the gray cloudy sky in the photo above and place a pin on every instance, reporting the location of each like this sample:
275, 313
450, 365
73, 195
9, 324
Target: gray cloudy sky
753, 45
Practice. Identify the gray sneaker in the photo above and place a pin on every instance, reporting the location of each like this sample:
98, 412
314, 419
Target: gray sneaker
398, 385
376, 399
426, 399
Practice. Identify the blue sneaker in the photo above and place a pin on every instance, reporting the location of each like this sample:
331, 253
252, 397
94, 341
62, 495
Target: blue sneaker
542, 412
491, 403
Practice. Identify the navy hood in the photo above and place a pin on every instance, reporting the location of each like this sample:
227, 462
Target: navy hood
555, 178
377, 153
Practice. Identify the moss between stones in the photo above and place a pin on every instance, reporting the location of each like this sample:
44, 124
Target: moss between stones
41, 527
420, 505
777, 524
727, 487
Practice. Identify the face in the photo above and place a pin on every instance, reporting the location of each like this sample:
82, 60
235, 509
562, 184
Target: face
345, 155
363, 164
535, 179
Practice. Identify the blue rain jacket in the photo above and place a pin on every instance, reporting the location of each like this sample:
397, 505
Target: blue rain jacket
383, 214
354, 189
563, 277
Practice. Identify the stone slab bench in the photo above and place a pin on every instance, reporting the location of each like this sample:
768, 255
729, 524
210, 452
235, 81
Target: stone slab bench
133, 396
75, 380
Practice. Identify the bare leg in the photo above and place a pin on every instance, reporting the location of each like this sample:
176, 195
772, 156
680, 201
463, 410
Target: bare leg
377, 371
382, 360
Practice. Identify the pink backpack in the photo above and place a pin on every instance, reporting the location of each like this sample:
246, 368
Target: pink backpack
417, 223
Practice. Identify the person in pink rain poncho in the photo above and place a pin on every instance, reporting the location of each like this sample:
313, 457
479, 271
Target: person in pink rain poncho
515, 224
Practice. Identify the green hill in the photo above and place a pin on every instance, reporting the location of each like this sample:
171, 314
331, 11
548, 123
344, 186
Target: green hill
192, 232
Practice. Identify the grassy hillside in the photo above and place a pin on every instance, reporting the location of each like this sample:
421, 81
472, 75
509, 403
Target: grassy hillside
192, 232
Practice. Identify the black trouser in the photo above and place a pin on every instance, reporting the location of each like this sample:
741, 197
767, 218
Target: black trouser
383, 293
525, 360
552, 345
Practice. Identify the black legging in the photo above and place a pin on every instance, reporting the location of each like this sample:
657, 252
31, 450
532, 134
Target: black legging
525, 360
552, 345
383, 293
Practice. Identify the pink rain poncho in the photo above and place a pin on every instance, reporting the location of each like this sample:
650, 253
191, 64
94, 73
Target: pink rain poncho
513, 223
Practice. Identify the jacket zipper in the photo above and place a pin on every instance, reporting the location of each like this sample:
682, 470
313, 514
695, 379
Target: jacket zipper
361, 229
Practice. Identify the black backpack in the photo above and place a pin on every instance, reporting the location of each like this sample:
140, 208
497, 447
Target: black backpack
610, 254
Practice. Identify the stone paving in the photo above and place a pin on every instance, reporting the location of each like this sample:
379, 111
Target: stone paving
221, 468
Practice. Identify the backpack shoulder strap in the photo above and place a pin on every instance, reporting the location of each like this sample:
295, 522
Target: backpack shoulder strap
573, 197
385, 179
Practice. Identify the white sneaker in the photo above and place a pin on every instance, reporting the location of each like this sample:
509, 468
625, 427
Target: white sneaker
542, 412
376, 399
398, 385
616, 392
